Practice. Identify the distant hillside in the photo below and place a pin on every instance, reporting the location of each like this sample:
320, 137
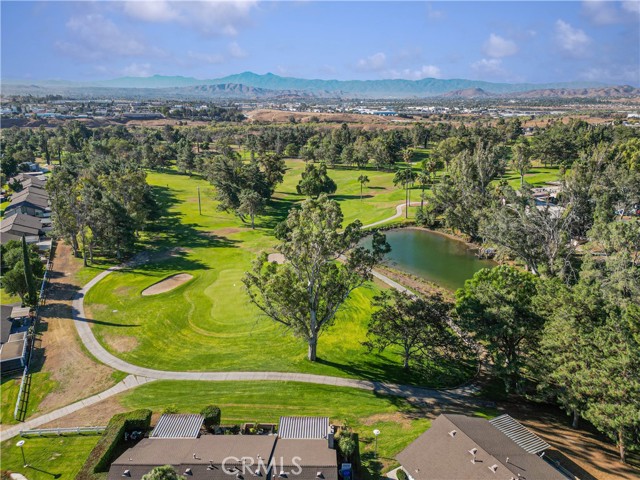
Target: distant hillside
603, 92
467, 93
249, 85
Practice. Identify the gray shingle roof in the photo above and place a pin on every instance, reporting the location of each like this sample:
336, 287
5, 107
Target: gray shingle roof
178, 426
303, 427
519, 434
460, 447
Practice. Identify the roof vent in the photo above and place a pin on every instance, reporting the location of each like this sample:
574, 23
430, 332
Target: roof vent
493, 468
319, 475
473, 451
239, 477
211, 467
452, 433
258, 473
282, 474
126, 473
188, 472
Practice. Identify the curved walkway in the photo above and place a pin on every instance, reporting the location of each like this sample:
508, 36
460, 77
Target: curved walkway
399, 209
140, 375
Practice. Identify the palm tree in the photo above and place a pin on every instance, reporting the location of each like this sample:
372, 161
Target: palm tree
363, 179
405, 177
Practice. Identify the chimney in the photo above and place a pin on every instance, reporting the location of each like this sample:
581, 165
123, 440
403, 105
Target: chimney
331, 439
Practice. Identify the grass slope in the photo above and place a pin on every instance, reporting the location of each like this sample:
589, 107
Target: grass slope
208, 323
48, 457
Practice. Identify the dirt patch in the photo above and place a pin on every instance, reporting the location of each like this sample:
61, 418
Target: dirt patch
226, 231
397, 417
58, 350
276, 257
123, 291
94, 415
167, 284
122, 343
583, 451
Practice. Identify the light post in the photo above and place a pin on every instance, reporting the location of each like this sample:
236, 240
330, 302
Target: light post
376, 432
21, 445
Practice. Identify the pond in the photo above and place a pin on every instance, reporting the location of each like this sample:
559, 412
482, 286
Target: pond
433, 257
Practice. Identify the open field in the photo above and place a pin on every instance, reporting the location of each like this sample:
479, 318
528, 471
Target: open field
208, 323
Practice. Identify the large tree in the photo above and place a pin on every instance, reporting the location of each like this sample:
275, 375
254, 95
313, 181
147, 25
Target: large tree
415, 325
496, 305
315, 181
323, 264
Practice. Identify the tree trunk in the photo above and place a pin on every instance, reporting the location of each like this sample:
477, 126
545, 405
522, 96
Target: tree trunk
313, 346
253, 224
621, 446
91, 252
405, 365
576, 418
422, 198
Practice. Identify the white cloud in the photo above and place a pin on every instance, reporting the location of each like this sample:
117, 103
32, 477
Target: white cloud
137, 70
210, 17
498, 47
426, 71
571, 40
615, 74
489, 67
151, 11
207, 58
631, 6
374, 62
94, 36
236, 51
601, 12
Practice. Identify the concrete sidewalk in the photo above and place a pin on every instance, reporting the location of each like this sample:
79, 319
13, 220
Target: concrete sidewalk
131, 381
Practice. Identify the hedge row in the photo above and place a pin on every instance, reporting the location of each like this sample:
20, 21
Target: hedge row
103, 453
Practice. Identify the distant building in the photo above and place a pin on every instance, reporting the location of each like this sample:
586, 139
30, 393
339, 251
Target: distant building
14, 227
460, 447
14, 338
32, 201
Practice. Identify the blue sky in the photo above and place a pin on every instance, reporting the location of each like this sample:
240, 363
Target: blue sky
535, 42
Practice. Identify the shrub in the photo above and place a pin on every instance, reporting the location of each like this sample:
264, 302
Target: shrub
169, 409
401, 474
162, 473
112, 440
211, 415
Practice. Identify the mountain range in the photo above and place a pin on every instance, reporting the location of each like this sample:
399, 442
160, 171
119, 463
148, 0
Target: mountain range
252, 85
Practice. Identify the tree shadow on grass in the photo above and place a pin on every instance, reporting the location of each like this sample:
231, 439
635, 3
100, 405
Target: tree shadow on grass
277, 211
340, 198
170, 230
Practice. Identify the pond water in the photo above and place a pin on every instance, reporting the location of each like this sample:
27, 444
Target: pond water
433, 257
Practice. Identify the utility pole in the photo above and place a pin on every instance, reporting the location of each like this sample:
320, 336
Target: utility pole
199, 204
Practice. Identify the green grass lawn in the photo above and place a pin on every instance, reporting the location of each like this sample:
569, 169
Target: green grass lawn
537, 176
400, 421
208, 323
40, 387
48, 457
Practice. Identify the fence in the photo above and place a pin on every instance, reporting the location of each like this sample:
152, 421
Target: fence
25, 383
61, 431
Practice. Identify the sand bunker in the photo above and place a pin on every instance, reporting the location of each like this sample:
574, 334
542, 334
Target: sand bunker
168, 284
276, 257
